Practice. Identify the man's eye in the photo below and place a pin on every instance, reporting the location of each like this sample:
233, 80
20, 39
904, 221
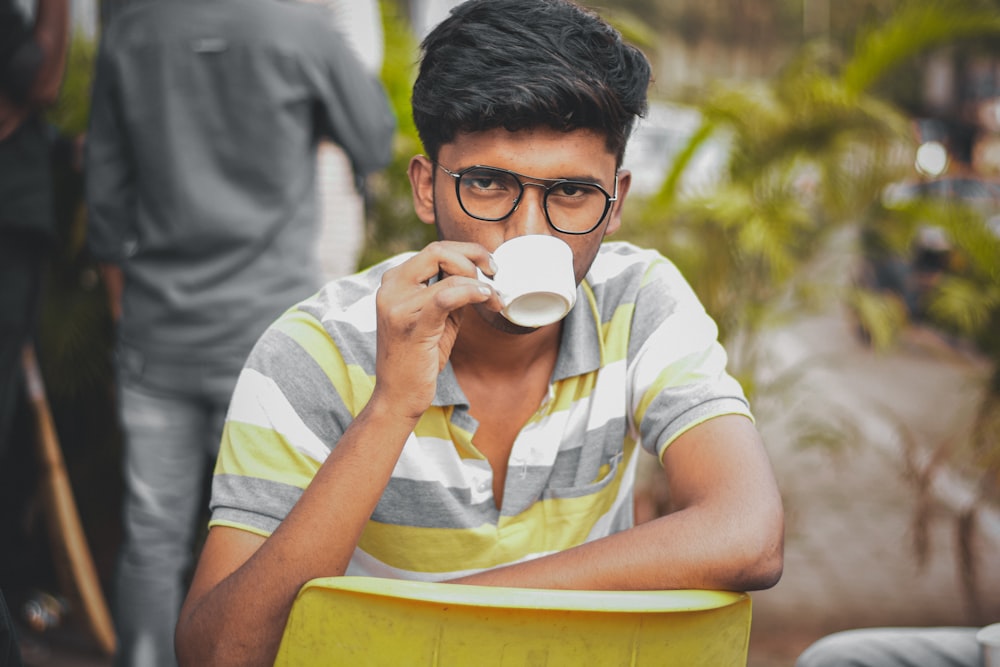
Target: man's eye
487, 181
482, 183
573, 190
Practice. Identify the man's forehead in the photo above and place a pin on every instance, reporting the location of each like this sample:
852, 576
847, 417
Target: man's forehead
540, 149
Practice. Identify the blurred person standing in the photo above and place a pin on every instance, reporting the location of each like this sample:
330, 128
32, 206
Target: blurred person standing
201, 190
32, 63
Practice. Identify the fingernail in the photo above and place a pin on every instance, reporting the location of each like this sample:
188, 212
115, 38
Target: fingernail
493, 266
484, 290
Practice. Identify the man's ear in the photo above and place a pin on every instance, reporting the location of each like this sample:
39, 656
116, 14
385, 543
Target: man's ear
421, 174
624, 183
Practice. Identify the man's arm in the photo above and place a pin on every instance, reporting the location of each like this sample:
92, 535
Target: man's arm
114, 285
50, 37
355, 109
726, 530
11, 116
110, 183
244, 585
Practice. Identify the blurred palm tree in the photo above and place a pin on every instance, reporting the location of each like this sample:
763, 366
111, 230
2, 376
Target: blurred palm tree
392, 225
809, 153
806, 156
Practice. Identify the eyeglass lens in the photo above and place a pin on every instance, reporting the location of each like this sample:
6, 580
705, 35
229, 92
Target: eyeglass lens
493, 194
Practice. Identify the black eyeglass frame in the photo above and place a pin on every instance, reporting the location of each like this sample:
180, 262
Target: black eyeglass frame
554, 182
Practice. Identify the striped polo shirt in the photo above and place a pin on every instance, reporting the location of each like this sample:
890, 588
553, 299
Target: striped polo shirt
639, 363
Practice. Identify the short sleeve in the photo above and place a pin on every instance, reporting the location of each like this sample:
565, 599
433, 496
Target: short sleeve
285, 417
676, 365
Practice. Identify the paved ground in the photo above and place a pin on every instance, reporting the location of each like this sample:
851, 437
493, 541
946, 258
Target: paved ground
850, 559
849, 555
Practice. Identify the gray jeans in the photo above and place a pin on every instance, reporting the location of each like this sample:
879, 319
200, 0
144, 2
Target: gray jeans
896, 647
172, 416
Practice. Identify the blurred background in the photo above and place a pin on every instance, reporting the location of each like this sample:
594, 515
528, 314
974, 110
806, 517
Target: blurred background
827, 176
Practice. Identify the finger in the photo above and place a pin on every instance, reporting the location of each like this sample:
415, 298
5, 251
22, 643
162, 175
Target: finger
423, 310
447, 257
455, 292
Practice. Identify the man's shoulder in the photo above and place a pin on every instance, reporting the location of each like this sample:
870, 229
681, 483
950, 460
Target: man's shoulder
336, 325
367, 280
350, 300
624, 262
626, 275
626, 251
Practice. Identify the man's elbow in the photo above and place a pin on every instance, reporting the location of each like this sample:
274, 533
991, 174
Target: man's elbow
763, 559
765, 572
215, 653
183, 647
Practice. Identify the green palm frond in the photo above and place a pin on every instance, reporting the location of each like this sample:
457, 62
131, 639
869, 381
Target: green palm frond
668, 191
918, 26
72, 109
804, 112
964, 305
880, 316
809, 153
978, 244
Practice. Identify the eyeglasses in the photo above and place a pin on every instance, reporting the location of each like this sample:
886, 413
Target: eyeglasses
492, 194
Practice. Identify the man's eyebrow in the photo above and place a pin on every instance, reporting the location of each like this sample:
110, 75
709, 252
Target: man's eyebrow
588, 179
583, 178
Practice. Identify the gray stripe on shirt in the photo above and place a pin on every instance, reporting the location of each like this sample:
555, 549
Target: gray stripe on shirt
272, 501
408, 502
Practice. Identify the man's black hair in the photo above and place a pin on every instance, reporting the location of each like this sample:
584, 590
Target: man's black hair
520, 64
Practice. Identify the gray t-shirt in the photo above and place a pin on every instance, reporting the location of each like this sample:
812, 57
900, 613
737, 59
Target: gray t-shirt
201, 163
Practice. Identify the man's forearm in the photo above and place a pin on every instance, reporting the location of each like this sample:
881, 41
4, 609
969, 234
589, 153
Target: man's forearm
114, 284
11, 116
239, 619
678, 551
727, 532
51, 33
52, 36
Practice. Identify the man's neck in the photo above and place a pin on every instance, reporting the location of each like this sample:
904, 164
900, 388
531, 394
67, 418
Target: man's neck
483, 350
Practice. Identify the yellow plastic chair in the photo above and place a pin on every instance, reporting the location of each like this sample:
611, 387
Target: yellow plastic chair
364, 621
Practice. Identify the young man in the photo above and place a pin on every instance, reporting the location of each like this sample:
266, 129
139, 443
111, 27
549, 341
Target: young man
397, 425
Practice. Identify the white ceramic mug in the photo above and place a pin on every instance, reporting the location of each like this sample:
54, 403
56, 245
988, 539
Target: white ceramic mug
534, 279
989, 640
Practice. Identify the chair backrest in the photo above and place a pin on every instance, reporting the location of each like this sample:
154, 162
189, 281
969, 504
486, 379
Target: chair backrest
365, 621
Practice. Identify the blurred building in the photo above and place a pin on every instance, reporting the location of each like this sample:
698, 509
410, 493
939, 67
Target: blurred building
961, 91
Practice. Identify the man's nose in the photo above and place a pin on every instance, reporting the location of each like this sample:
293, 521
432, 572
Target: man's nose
529, 215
